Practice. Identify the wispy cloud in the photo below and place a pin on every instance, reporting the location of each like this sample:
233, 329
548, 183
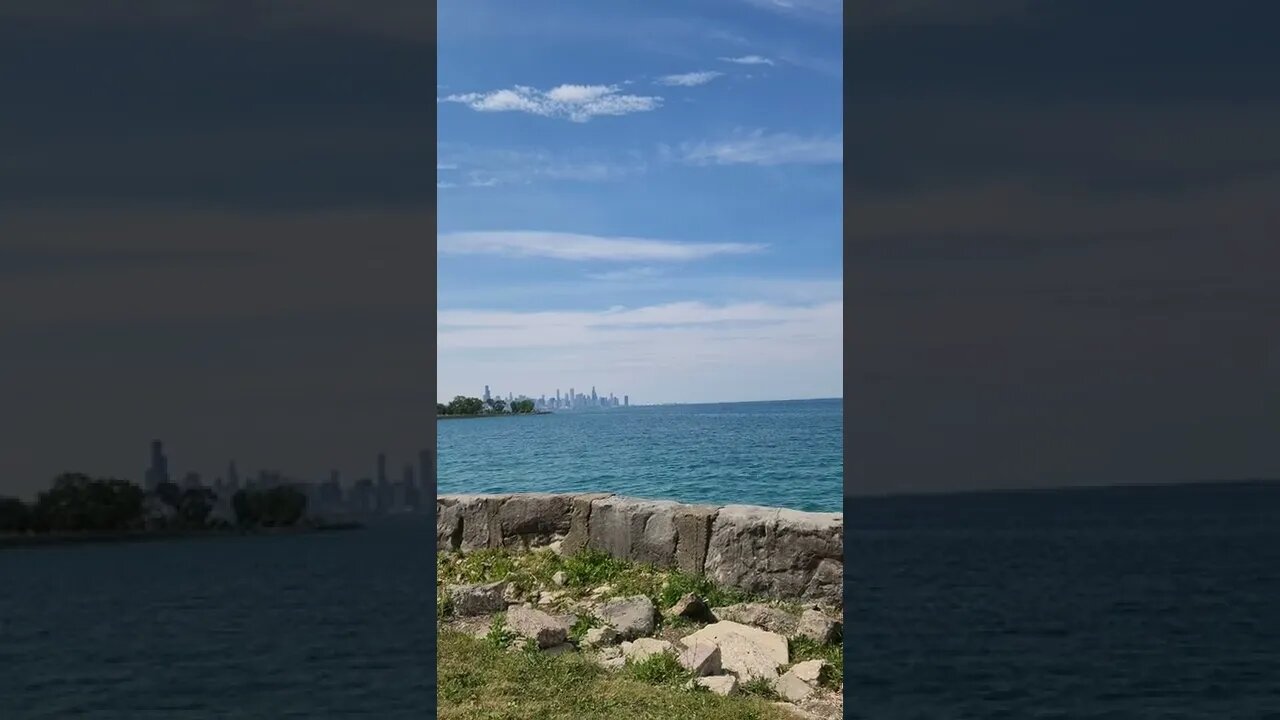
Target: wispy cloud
490, 166
749, 60
569, 246
690, 79
445, 166
577, 103
759, 148
635, 273
826, 10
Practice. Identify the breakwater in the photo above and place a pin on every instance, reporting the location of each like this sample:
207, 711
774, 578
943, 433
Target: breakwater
776, 552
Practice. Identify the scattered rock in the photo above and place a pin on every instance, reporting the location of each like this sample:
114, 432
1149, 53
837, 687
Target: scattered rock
511, 594
796, 712
559, 578
599, 637
646, 647
477, 599
766, 617
631, 616
745, 651
537, 625
718, 684
700, 658
691, 606
556, 546
818, 626
801, 681
610, 658
601, 590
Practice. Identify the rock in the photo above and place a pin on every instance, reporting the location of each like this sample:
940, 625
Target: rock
631, 616
800, 682
645, 648
745, 651
818, 626
691, 606
610, 658
511, 594
537, 625
795, 712
700, 657
599, 637
559, 578
480, 599
601, 590
763, 616
777, 552
560, 649
579, 517
556, 547
718, 684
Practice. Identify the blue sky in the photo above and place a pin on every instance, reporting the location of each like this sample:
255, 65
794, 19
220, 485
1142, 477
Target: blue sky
640, 196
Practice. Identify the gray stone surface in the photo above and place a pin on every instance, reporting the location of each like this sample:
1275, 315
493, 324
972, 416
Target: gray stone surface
599, 637
631, 617
480, 599
745, 651
777, 552
818, 626
800, 682
699, 657
771, 551
690, 606
765, 617
719, 684
646, 647
546, 630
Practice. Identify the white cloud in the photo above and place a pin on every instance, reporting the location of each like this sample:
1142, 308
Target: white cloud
578, 103
443, 185
635, 273
686, 351
749, 60
569, 246
759, 148
689, 79
445, 166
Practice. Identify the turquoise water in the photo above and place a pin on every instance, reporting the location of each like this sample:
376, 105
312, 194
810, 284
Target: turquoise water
788, 454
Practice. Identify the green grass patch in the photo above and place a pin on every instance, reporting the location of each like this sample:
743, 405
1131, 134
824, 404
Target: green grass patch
658, 669
758, 688
479, 681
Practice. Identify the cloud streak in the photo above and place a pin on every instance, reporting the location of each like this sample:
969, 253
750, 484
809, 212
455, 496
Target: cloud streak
690, 79
749, 60
575, 247
760, 148
576, 103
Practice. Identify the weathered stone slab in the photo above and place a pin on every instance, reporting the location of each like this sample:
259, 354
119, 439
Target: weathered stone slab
744, 651
532, 519
693, 533
480, 599
642, 531
777, 552
579, 517
631, 617
644, 648
448, 524
765, 617
546, 630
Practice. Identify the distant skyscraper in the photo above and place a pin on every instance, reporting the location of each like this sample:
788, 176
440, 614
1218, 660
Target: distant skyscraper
595, 401
158, 472
487, 397
626, 401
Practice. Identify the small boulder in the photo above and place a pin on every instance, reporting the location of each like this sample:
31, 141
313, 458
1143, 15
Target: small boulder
818, 627
645, 648
718, 684
601, 590
536, 625
745, 651
800, 682
511, 594
700, 658
631, 616
765, 617
610, 658
599, 637
480, 599
559, 579
691, 606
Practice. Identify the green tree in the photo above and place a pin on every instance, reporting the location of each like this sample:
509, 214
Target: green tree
15, 515
195, 505
522, 406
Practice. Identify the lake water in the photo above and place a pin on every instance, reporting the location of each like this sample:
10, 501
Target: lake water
323, 625
787, 454
1122, 604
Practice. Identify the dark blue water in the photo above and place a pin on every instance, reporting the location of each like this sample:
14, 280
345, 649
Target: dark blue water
325, 625
788, 454
1117, 603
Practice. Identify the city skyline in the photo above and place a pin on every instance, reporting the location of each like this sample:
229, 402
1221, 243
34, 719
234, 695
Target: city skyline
660, 216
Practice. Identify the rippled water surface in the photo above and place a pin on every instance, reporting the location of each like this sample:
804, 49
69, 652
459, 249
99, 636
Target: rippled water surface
308, 626
1121, 603
778, 453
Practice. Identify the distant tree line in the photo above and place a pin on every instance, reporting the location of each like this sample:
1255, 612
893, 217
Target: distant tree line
462, 405
78, 503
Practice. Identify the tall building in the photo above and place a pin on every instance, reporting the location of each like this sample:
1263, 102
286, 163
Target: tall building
595, 401
158, 472
487, 396
626, 401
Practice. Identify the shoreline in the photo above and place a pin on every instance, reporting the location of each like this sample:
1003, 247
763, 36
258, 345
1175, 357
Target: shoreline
491, 415
53, 539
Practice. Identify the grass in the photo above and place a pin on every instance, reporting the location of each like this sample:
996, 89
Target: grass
583, 571
832, 675
479, 681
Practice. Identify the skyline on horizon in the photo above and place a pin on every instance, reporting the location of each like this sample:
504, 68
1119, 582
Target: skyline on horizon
666, 217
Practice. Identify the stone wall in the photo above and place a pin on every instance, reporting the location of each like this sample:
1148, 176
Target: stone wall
769, 551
